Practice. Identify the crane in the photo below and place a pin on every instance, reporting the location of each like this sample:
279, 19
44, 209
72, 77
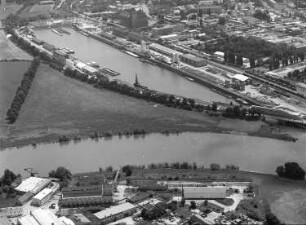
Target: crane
31, 171
115, 181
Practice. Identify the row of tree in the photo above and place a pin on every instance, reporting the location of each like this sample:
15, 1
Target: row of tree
6, 183
22, 92
297, 75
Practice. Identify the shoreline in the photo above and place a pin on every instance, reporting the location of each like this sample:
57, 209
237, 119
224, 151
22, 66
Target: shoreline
95, 135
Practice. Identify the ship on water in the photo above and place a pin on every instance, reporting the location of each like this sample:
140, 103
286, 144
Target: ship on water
138, 85
109, 72
132, 54
56, 32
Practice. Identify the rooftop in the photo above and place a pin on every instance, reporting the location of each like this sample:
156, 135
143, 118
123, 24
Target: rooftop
33, 184
43, 193
204, 192
114, 210
27, 220
46, 217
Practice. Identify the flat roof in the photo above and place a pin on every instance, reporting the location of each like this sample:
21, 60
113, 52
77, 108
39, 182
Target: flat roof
240, 77
163, 48
27, 220
193, 57
32, 184
43, 194
46, 217
114, 210
205, 192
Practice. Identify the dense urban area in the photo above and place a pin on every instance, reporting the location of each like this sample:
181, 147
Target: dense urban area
92, 71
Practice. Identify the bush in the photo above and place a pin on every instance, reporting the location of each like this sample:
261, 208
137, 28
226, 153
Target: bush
291, 170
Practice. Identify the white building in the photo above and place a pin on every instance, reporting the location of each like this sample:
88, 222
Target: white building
27, 220
42, 197
33, 185
118, 212
46, 217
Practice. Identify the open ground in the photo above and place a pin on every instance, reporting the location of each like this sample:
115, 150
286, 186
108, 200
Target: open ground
6, 10
58, 105
36, 9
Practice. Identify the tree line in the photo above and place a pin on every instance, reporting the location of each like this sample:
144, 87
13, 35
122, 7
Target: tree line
297, 75
22, 92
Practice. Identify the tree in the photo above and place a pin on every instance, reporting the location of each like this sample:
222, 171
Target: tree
61, 173
215, 166
291, 170
222, 20
193, 205
127, 170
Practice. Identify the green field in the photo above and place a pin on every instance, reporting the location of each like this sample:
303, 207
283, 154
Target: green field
8, 9
10, 51
11, 74
286, 198
36, 9
59, 105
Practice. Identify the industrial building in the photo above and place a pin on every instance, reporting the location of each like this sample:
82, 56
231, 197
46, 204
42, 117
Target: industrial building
87, 179
33, 185
193, 60
86, 195
116, 212
168, 29
120, 31
193, 193
133, 18
163, 50
42, 197
301, 88
27, 220
25, 198
46, 217
60, 56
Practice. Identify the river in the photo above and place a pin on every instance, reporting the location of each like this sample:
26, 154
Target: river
89, 49
250, 153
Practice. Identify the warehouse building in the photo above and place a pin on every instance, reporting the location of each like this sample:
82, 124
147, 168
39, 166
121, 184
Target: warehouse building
88, 179
25, 198
86, 196
42, 197
194, 193
60, 56
27, 220
116, 212
163, 50
33, 185
46, 217
301, 89
193, 60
